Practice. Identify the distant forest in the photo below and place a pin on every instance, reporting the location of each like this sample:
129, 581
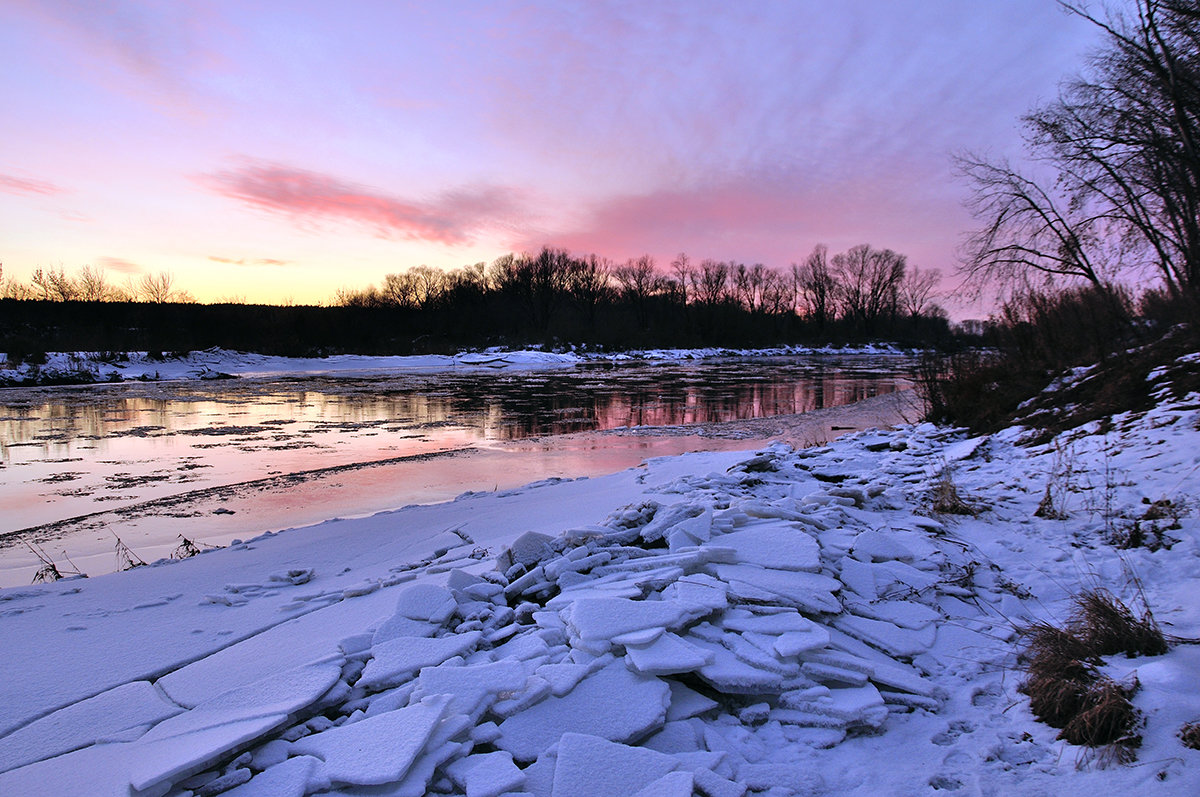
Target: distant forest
550, 298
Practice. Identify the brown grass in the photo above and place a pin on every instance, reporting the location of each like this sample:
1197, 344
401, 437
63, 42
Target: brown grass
1189, 734
947, 501
1107, 626
1065, 688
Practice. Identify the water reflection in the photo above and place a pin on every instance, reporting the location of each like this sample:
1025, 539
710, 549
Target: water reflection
64, 450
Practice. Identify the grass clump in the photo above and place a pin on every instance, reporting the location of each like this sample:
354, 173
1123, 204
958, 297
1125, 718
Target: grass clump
946, 499
1189, 734
1067, 690
1107, 626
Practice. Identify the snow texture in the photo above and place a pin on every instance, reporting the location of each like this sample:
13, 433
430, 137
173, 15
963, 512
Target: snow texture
768, 622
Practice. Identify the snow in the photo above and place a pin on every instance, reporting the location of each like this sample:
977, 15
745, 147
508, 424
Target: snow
764, 622
222, 363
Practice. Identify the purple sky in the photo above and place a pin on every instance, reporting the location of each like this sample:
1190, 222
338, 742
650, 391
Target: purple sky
278, 151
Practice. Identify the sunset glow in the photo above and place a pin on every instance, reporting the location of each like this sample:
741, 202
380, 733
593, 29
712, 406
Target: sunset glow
279, 152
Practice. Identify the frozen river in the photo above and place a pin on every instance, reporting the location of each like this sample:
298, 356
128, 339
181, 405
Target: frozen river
215, 460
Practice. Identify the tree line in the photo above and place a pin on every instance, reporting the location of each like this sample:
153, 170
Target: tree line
552, 295
548, 298
91, 284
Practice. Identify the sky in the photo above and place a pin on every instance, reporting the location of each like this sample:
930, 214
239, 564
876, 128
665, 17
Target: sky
272, 151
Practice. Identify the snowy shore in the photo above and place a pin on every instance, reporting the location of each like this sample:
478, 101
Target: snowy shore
219, 363
781, 621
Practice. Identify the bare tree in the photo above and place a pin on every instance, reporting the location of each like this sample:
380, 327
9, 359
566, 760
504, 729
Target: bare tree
869, 280
917, 290
710, 284
588, 284
160, 288
638, 282
53, 285
750, 285
93, 285
1028, 232
681, 267
1123, 143
816, 287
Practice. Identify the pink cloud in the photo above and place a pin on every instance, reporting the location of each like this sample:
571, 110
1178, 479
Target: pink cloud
242, 261
120, 265
454, 218
21, 185
773, 219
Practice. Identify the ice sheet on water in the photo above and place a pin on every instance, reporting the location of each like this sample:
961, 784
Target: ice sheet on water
187, 742
102, 717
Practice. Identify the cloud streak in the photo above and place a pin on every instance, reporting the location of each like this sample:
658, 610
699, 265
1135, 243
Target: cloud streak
244, 261
25, 187
120, 265
454, 218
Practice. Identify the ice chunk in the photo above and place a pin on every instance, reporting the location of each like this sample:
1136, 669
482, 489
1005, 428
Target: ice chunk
595, 621
472, 688
776, 623
808, 591
527, 550
782, 548
888, 637
793, 643
713, 785
295, 777
687, 702
378, 749
397, 660
486, 774
875, 546
859, 577
675, 784
188, 742
426, 602
906, 614
589, 766
674, 737
562, 677
612, 703
699, 594
85, 723
438, 750
668, 654
730, 674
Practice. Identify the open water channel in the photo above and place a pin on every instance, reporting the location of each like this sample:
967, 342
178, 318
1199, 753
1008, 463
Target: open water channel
216, 460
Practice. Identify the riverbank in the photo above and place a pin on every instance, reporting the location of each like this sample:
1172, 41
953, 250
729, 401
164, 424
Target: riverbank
820, 621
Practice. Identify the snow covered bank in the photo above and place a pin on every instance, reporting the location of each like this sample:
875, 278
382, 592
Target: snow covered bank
792, 622
218, 363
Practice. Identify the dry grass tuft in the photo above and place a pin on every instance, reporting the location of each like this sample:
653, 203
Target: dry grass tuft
1107, 626
947, 501
1065, 688
1106, 717
1189, 734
